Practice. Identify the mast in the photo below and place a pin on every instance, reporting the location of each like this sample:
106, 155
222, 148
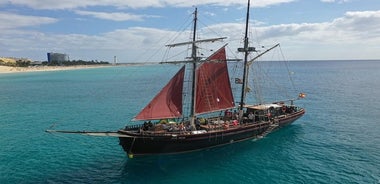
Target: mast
194, 62
246, 51
194, 59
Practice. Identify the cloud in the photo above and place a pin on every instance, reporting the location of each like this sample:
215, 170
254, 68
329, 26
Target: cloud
354, 35
363, 21
74, 4
211, 14
352, 27
12, 21
115, 16
130, 44
334, 1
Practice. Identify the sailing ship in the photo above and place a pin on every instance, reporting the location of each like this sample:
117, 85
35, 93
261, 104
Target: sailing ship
214, 119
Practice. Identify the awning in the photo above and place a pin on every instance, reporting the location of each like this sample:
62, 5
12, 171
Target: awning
262, 106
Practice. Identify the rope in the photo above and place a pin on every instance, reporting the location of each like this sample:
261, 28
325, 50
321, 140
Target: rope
287, 67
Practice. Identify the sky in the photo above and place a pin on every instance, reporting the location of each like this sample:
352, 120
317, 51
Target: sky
137, 31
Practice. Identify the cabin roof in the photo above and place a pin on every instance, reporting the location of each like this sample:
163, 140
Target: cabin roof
262, 106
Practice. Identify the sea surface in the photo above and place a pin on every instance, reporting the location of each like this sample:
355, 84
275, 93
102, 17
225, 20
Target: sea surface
336, 141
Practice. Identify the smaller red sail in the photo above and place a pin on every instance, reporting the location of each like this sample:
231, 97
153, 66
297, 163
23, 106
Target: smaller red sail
168, 102
213, 91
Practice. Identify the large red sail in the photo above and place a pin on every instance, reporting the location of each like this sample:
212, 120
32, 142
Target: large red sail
213, 91
168, 102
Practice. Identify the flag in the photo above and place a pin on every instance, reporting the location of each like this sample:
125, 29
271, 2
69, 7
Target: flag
302, 95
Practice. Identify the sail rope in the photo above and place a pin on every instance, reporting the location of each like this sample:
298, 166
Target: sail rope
187, 92
206, 28
262, 79
288, 70
102, 95
280, 82
256, 82
149, 53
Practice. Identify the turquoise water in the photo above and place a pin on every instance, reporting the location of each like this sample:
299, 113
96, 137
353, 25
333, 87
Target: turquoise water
337, 141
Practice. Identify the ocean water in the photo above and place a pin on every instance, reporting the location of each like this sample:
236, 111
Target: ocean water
337, 141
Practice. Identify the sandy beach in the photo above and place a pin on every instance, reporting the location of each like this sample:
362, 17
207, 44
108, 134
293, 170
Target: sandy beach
8, 69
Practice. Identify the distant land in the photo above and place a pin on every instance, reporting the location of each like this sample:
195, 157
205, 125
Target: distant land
10, 69
14, 64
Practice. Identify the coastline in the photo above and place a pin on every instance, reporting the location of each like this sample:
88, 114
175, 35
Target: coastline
10, 69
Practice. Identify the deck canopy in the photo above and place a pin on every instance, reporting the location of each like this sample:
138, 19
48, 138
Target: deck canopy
262, 106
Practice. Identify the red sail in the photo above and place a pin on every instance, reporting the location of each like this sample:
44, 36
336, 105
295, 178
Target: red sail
168, 102
213, 84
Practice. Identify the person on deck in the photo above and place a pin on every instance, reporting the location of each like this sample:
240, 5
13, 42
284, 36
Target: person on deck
150, 125
251, 117
227, 115
197, 124
236, 115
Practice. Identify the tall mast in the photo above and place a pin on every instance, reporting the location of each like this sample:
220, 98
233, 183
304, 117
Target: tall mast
194, 61
246, 51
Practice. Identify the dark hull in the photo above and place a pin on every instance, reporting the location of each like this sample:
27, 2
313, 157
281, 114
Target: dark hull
149, 144
290, 118
164, 144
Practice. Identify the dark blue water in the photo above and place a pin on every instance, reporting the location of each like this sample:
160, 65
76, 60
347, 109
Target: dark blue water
337, 141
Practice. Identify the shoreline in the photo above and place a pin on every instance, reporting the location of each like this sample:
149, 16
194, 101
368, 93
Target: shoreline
11, 69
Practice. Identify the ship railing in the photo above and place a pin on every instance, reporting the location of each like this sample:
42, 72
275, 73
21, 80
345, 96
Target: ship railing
132, 127
206, 128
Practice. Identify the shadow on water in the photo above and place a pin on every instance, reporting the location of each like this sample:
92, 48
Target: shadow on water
171, 168
209, 165
109, 164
